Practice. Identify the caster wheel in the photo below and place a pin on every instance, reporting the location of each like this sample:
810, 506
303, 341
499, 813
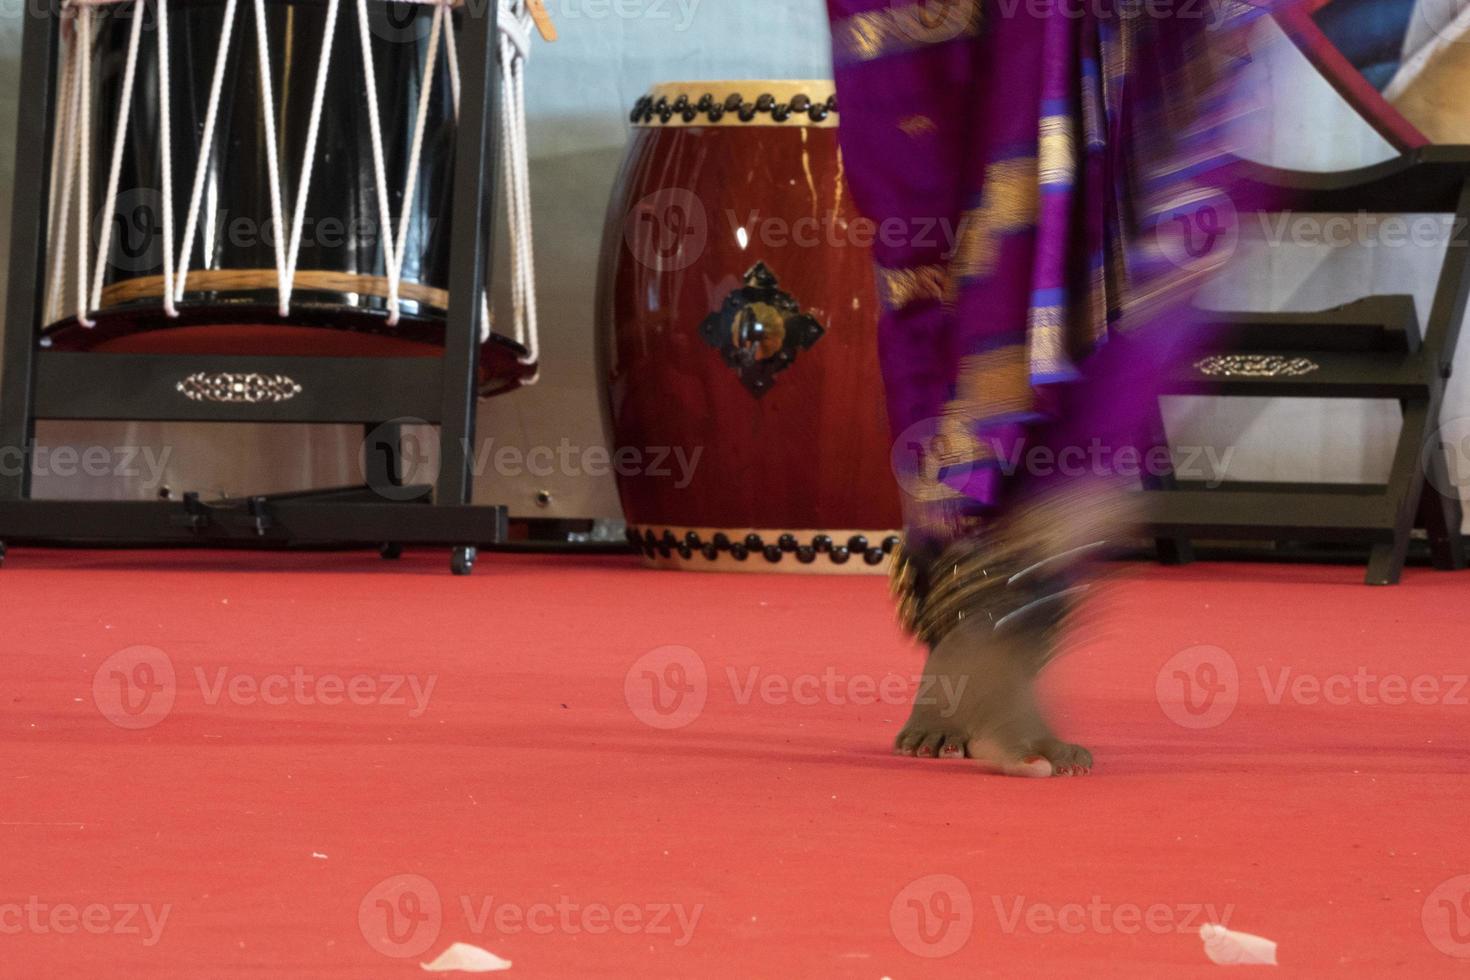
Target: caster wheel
392, 551
463, 560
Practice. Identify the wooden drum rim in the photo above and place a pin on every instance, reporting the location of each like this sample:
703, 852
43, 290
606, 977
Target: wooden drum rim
232, 280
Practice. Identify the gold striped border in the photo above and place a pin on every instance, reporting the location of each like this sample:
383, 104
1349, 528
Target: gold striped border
1008, 204
992, 384
878, 33
1056, 151
1046, 340
901, 287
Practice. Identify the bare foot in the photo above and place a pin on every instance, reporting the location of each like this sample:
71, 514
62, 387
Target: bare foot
976, 700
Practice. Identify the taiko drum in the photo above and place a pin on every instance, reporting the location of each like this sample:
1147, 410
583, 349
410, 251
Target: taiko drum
737, 329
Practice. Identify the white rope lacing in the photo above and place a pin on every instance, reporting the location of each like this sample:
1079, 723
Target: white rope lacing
71, 151
59, 134
286, 254
114, 170
516, 26
63, 155
272, 150
206, 142
84, 154
166, 157
313, 128
395, 244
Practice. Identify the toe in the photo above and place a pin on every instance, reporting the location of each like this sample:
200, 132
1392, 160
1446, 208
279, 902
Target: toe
929, 747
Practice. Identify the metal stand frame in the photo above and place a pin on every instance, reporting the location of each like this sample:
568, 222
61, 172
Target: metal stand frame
42, 384
1371, 348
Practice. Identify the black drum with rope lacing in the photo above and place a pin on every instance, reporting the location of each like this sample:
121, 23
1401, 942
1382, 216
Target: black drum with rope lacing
257, 177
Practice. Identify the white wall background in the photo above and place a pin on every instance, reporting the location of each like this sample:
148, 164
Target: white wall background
580, 91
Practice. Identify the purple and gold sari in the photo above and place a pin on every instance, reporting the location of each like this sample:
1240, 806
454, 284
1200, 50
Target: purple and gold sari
1051, 181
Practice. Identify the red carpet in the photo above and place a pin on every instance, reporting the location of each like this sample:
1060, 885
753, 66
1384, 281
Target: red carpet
261, 824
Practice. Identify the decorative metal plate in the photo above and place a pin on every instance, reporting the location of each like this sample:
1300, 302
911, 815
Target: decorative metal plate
231, 388
1255, 366
760, 330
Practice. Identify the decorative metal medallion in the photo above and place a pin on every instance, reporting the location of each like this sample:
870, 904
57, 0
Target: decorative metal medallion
238, 389
760, 330
1255, 366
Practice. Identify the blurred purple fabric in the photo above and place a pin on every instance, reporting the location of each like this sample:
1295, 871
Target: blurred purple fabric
1052, 182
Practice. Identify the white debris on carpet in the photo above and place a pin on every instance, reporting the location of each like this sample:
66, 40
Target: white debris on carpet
464, 958
1225, 947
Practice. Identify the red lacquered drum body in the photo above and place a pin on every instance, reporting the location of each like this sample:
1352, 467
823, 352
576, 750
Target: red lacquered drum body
738, 325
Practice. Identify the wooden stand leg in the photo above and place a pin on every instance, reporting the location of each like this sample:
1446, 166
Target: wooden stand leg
1405, 487
1171, 551
24, 295
1442, 515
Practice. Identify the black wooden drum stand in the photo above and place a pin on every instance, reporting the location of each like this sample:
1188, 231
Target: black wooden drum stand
46, 384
